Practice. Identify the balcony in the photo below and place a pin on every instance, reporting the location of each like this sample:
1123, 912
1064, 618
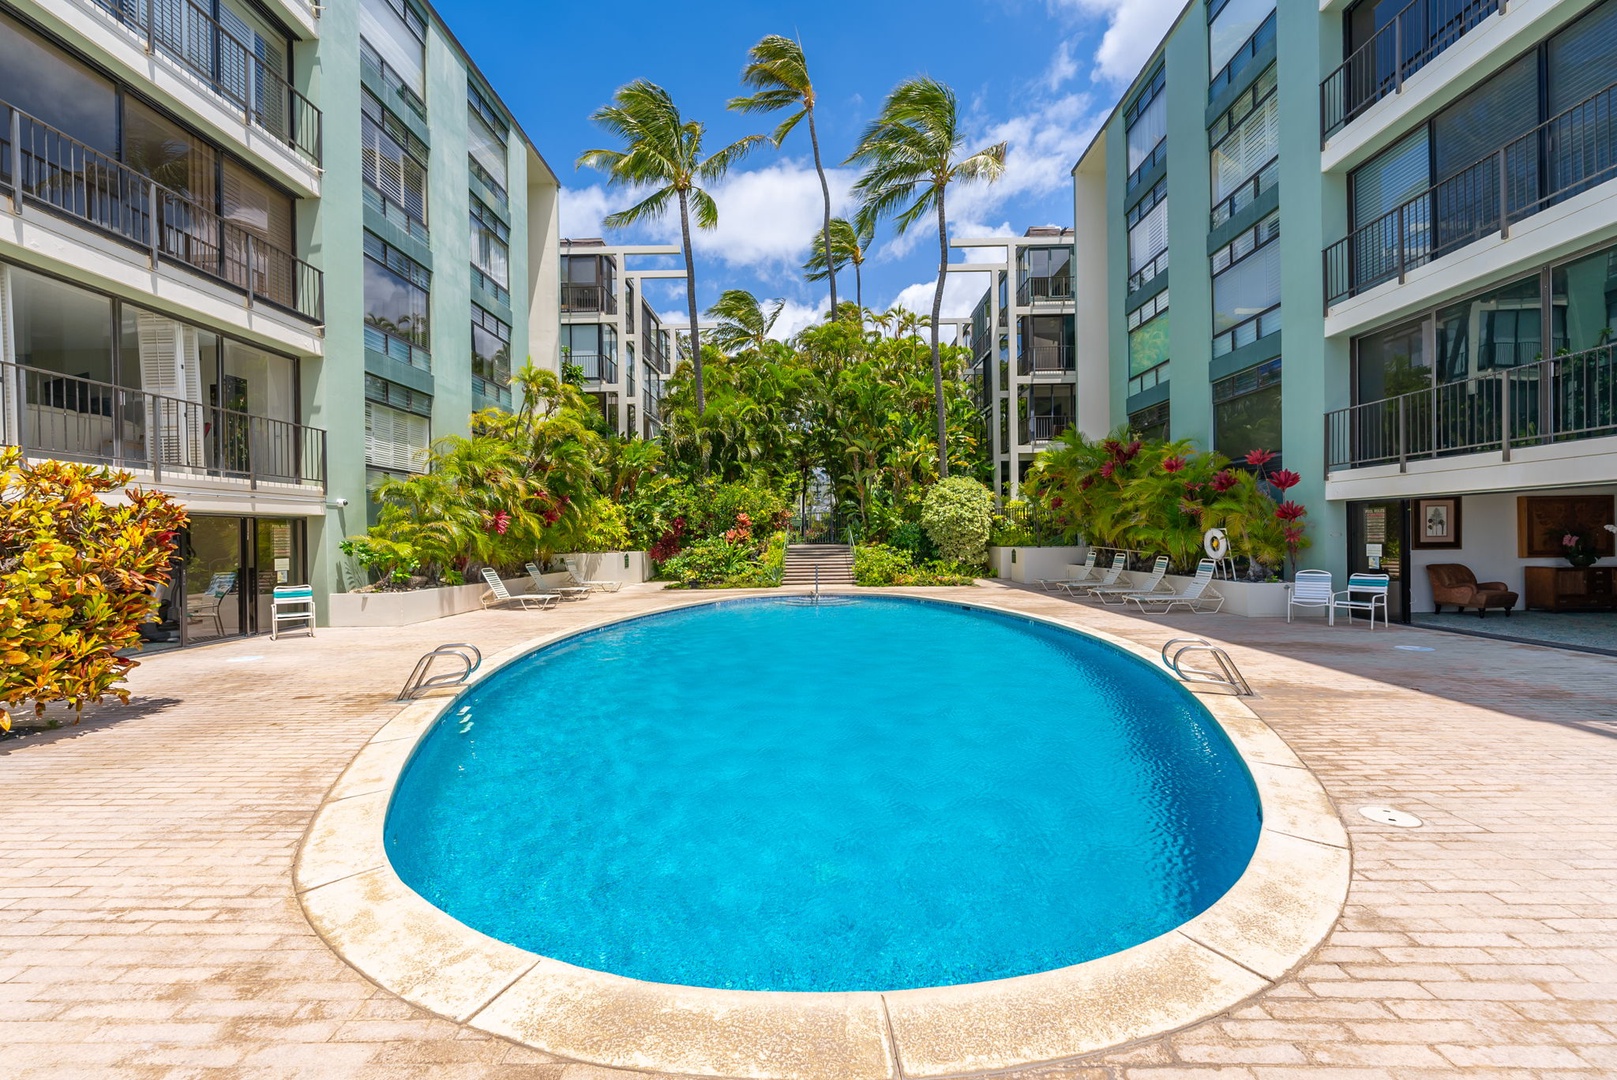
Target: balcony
598, 368
1560, 158
1398, 50
1558, 400
1041, 429
1045, 359
1039, 290
61, 416
42, 168
188, 35
652, 351
589, 299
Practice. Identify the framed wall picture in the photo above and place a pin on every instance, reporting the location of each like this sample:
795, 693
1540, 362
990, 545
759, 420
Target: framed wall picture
1436, 523
1542, 520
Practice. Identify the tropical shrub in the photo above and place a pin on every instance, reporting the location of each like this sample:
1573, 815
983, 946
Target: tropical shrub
909, 536
708, 563
393, 563
78, 576
879, 565
956, 514
606, 528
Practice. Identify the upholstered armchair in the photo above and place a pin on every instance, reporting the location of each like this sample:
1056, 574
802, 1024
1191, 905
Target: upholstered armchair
1457, 585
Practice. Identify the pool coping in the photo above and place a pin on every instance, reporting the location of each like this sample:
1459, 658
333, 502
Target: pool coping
1278, 912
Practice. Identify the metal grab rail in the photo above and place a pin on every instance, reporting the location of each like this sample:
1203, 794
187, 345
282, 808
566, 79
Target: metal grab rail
229, 67
420, 680
41, 166
1226, 675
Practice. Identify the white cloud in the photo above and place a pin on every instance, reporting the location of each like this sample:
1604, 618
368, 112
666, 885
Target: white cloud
583, 208
961, 291
795, 317
1134, 28
1062, 68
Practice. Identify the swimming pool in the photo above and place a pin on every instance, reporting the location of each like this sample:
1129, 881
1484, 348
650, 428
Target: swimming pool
883, 795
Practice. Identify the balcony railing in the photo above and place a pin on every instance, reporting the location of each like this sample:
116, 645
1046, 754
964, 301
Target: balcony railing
1039, 429
1143, 276
1247, 331
1045, 358
233, 70
588, 298
1247, 53
44, 168
64, 416
597, 368
653, 353
1034, 290
1560, 158
1557, 400
1398, 50
1247, 193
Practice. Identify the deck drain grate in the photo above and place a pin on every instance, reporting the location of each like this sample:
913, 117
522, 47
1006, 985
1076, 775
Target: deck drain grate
1386, 815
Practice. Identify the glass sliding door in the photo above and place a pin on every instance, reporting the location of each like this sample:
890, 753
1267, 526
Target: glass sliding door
276, 559
1378, 543
214, 574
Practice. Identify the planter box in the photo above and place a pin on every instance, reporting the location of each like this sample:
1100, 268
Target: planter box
408, 608
1033, 564
629, 567
1252, 599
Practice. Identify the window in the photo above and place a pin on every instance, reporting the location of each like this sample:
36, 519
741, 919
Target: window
1148, 236
1048, 410
1246, 412
161, 149
1150, 423
1147, 122
1246, 287
51, 85
1391, 178
59, 328
391, 394
593, 347
486, 135
1501, 328
394, 163
396, 304
1584, 294
491, 348
1148, 335
395, 439
1391, 363
491, 254
1245, 143
1579, 59
1230, 25
253, 63
394, 30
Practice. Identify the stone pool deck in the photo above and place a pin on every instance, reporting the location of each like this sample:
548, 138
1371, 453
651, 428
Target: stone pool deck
148, 925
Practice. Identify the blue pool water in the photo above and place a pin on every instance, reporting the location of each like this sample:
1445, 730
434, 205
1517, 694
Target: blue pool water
761, 796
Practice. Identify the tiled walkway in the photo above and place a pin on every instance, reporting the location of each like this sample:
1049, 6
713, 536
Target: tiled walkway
148, 926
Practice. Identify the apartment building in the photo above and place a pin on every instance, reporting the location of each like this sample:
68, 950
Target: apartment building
1021, 334
1428, 342
612, 335
259, 254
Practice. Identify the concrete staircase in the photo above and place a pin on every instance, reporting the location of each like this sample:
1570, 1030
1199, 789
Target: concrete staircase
834, 562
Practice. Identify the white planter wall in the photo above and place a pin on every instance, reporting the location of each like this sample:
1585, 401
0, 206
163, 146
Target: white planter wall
629, 567
408, 608
1252, 599
1033, 564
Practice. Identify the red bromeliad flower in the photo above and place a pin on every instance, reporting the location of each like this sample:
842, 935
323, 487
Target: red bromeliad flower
1259, 458
1086, 483
1294, 536
1193, 486
1112, 447
1107, 468
1057, 503
1175, 464
1290, 511
498, 522
1284, 479
1132, 450
1223, 481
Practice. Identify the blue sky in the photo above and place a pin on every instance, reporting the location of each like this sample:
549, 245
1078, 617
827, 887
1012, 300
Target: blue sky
1040, 74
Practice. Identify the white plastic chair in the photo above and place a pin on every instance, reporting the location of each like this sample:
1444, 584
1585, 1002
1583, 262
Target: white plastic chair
1193, 596
1149, 585
1115, 571
1365, 592
561, 592
580, 582
291, 604
499, 596
1087, 573
1311, 589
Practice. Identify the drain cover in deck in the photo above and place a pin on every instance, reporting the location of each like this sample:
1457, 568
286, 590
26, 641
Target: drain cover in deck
1386, 815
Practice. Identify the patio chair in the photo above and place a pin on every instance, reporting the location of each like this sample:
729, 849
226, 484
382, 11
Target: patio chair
1312, 589
595, 586
499, 596
1197, 596
206, 604
1113, 572
1121, 593
1365, 592
1087, 573
291, 604
560, 592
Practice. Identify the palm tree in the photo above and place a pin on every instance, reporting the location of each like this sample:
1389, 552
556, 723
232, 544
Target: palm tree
778, 72
848, 246
742, 322
663, 150
909, 157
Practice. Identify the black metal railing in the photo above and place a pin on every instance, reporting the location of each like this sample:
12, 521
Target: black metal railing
1560, 158
1034, 290
1038, 429
1246, 193
597, 367
1247, 53
654, 354
1564, 398
1045, 358
588, 298
232, 69
48, 169
1141, 277
1247, 331
371, 62
1414, 37
79, 419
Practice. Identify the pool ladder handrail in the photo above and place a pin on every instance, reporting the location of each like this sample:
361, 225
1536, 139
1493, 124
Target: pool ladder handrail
420, 681
1227, 674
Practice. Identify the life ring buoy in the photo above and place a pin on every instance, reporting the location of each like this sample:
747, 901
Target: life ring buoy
1217, 544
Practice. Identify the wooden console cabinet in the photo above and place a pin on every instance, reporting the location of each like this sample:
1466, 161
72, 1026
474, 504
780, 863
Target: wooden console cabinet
1571, 588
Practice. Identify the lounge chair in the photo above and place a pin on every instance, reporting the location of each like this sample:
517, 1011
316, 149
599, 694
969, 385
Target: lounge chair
1121, 593
560, 592
291, 604
1313, 588
499, 596
1195, 596
579, 581
1085, 574
1115, 571
1365, 592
